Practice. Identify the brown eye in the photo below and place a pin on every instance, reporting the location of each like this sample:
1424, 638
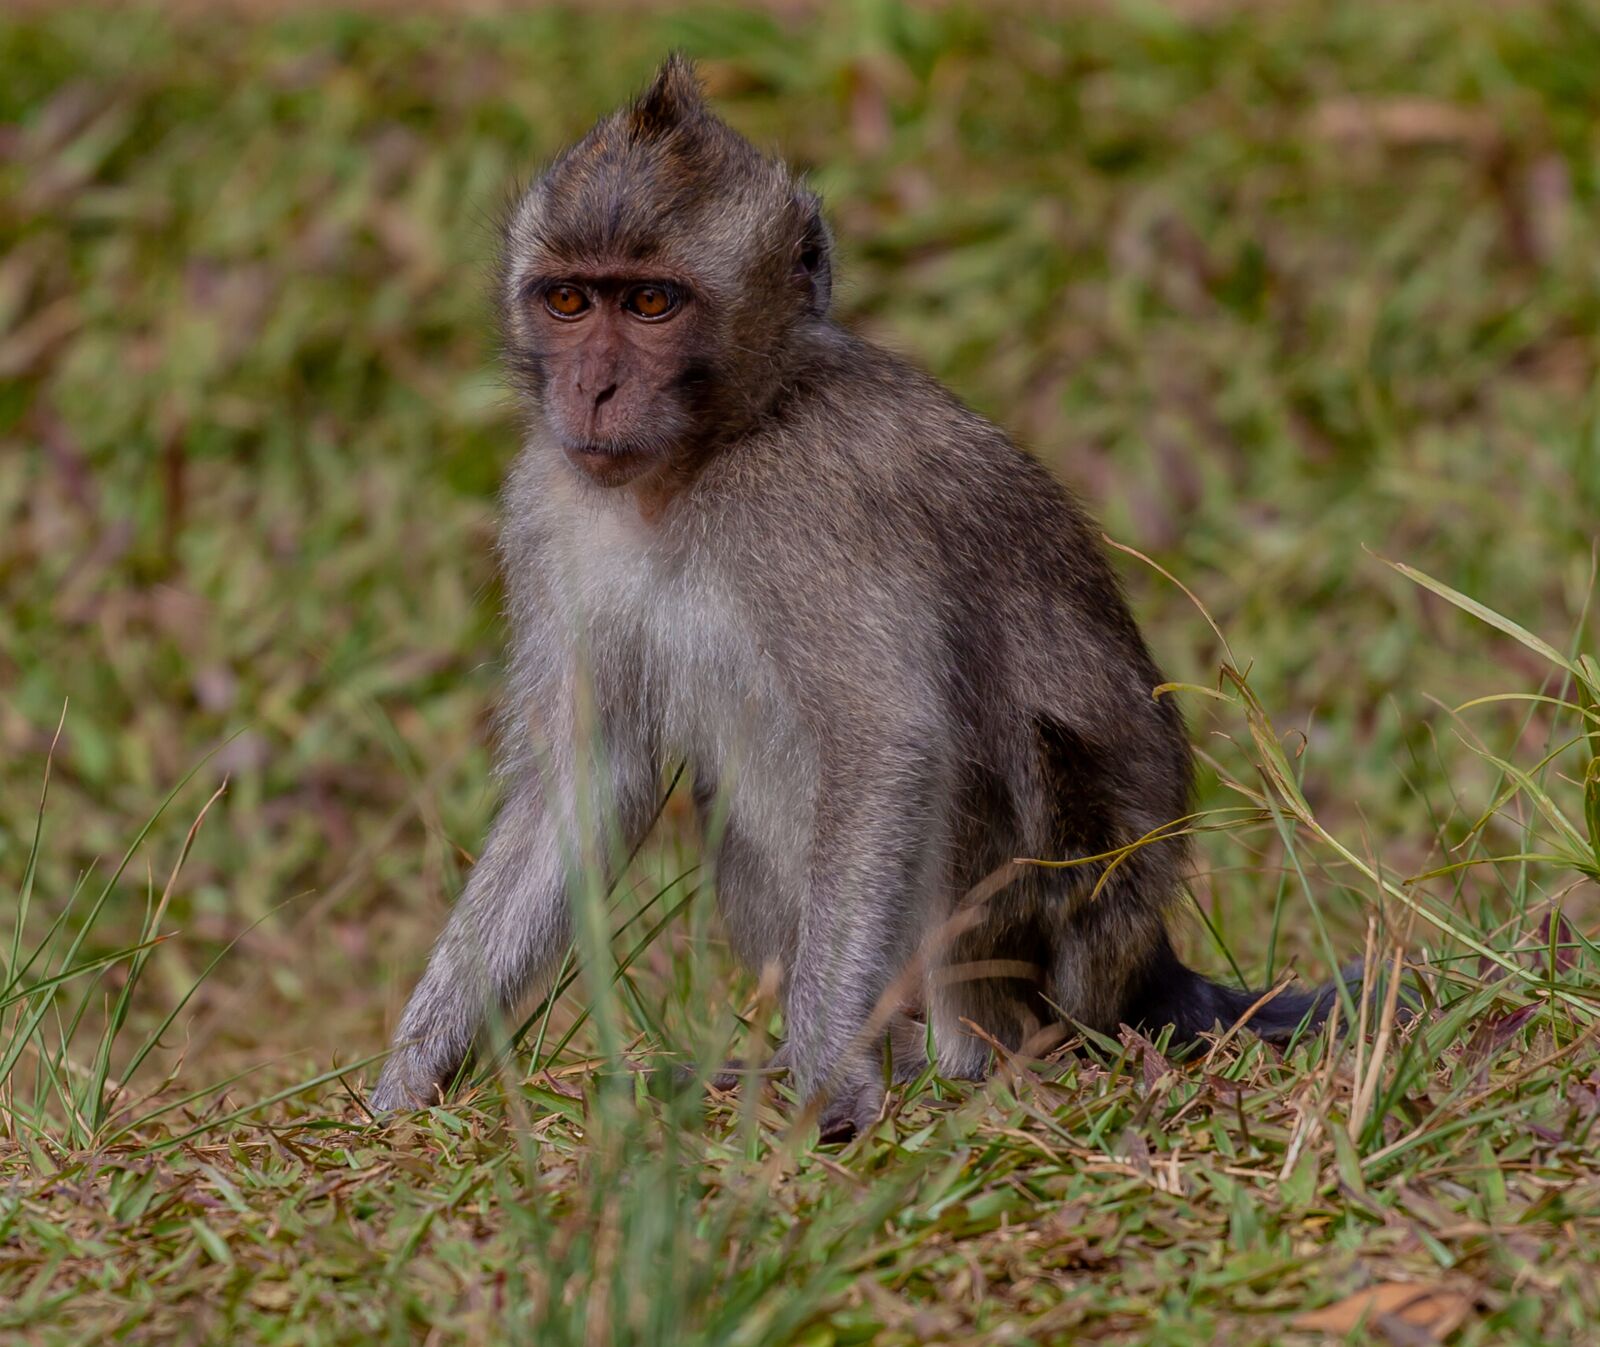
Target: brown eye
650, 301
566, 301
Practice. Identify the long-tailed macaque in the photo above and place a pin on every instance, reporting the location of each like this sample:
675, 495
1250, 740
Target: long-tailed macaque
740, 536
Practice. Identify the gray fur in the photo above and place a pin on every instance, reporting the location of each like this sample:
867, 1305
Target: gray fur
884, 634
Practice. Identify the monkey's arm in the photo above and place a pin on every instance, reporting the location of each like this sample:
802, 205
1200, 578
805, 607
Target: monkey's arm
512, 923
509, 926
876, 853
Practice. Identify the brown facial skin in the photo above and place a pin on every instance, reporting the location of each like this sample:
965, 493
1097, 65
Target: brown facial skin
614, 349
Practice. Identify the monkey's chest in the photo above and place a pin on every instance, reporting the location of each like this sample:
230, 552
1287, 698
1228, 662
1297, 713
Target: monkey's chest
718, 704
680, 658
715, 696
680, 671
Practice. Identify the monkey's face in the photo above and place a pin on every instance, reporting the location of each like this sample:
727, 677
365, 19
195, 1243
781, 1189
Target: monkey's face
612, 355
652, 283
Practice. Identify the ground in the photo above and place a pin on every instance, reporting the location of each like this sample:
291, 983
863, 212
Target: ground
1287, 292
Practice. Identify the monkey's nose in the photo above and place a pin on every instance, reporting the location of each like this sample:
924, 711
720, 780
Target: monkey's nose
604, 396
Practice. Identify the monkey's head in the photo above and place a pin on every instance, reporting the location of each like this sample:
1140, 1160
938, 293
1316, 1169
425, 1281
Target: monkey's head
653, 281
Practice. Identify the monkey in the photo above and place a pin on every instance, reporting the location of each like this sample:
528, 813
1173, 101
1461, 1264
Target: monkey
883, 635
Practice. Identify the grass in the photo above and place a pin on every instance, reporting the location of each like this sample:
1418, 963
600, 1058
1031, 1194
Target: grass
1284, 290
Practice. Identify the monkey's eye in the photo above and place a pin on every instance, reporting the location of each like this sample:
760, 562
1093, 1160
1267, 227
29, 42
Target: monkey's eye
566, 301
650, 302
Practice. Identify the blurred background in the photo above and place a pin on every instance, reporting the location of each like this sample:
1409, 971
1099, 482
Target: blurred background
1276, 287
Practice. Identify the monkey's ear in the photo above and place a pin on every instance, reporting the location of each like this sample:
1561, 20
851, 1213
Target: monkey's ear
674, 97
813, 257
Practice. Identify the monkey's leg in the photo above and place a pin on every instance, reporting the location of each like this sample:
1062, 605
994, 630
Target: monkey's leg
505, 935
908, 1047
1104, 948
992, 976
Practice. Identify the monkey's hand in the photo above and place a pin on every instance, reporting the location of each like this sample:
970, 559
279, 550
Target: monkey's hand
851, 1109
408, 1082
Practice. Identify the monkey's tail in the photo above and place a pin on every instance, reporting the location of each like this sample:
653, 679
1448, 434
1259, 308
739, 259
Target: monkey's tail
1173, 993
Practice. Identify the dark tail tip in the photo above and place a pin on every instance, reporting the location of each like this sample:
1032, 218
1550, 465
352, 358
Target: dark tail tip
1172, 993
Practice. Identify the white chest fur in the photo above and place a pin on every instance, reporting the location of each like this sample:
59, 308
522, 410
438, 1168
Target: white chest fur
669, 641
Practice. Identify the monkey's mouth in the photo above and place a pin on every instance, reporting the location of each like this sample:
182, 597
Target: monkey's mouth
609, 463
601, 448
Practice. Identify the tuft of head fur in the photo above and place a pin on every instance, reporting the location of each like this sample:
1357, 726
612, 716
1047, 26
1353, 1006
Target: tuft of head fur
673, 98
664, 180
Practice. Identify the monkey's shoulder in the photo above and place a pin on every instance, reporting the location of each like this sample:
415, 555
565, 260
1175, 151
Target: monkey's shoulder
865, 441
